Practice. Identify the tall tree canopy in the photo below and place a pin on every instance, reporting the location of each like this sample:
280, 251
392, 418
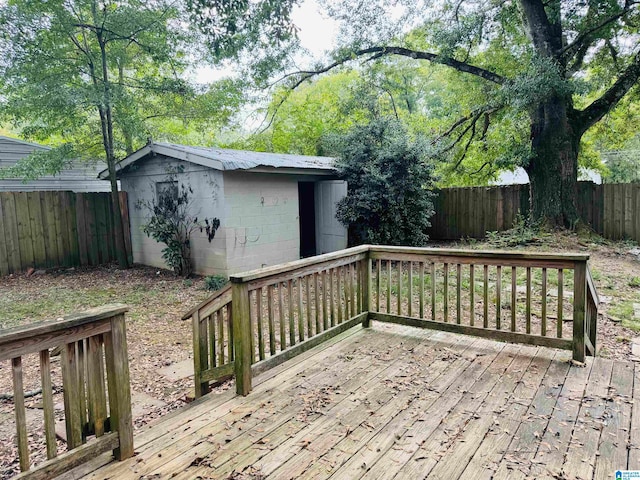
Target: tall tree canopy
98, 77
549, 70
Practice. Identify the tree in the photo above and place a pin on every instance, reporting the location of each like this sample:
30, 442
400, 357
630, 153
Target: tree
99, 77
390, 183
558, 66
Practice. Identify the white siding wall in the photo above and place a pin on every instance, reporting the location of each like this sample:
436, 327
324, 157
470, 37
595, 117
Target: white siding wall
207, 184
262, 220
80, 177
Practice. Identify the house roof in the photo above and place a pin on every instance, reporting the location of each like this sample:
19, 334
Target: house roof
226, 159
78, 177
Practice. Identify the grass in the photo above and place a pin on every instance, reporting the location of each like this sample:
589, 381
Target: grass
146, 292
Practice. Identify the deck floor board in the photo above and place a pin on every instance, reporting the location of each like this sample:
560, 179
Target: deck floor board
395, 402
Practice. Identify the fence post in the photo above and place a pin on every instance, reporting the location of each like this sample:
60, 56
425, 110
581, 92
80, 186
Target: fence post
579, 309
241, 335
199, 354
366, 290
119, 386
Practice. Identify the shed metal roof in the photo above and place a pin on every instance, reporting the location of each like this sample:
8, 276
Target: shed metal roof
226, 159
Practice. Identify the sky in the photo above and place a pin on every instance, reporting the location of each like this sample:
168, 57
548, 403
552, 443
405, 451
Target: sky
314, 28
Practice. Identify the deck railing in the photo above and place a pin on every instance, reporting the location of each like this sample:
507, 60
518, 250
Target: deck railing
281, 311
89, 343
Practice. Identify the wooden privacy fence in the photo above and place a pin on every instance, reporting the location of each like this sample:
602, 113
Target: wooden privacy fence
54, 229
612, 210
270, 315
91, 343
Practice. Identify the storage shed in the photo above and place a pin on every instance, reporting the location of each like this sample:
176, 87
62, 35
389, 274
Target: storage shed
273, 208
80, 177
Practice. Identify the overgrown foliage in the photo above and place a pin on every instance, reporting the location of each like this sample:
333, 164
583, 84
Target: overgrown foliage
390, 181
172, 222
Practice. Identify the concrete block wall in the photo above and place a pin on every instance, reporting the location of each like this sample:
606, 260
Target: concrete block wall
207, 200
262, 225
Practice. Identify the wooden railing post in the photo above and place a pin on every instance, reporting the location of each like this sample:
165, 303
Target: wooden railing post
119, 386
241, 336
199, 354
366, 290
579, 309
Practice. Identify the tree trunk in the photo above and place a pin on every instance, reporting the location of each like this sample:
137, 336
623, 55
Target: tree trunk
553, 169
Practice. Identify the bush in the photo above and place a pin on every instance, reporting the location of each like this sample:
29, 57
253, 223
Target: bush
390, 183
215, 282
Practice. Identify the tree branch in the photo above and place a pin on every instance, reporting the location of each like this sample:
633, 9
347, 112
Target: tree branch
586, 36
600, 107
378, 52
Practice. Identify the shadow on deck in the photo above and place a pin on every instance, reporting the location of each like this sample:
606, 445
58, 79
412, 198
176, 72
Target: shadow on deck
398, 402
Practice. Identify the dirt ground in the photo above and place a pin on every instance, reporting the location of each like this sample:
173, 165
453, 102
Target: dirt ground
157, 337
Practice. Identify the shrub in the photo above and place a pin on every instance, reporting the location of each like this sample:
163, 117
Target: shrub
215, 282
390, 183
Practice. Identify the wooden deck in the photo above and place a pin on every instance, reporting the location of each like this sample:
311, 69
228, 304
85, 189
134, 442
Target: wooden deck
396, 402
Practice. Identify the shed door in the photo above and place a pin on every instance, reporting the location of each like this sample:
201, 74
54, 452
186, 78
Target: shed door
331, 235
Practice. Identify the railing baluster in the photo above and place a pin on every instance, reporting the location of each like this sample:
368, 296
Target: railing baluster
115, 343
472, 291
292, 322
261, 350
47, 404
433, 291
332, 297
421, 289
378, 270
399, 293
325, 315
579, 310
458, 293
366, 290
410, 293
70, 381
358, 279
81, 387
200, 361
271, 320
514, 290
445, 293
486, 296
220, 337
339, 293
283, 333
21, 416
347, 293
97, 394
388, 286
543, 323
560, 302
308, 289
498, 297
528, 302
213, 344
352, 289
300, 310
316, 294
228, 309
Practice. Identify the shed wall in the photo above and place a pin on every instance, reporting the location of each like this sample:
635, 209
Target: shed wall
262, 226
207, 201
